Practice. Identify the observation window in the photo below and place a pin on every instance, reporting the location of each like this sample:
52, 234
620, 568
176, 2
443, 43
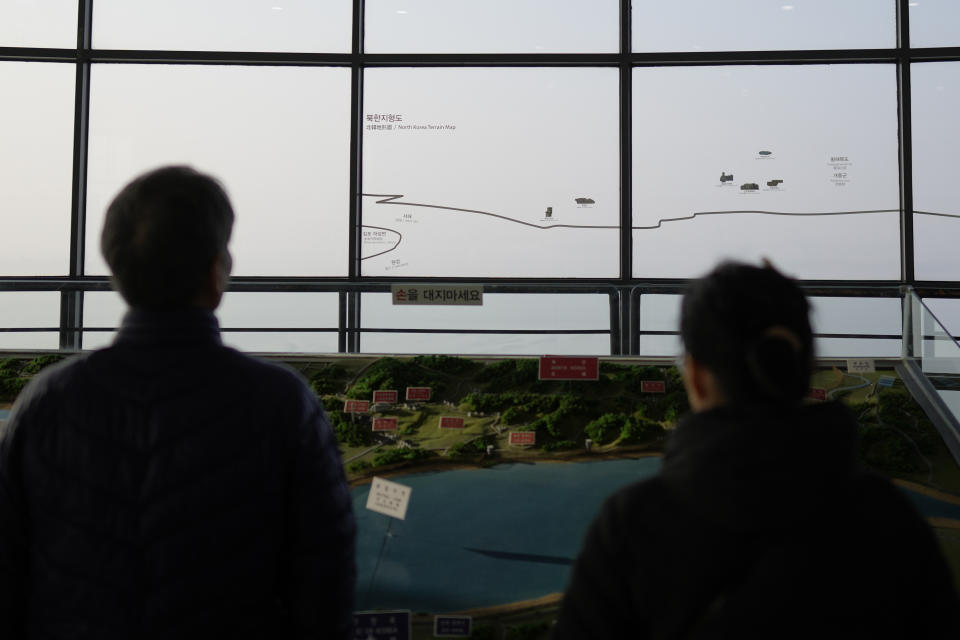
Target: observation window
879, 319
500, 312
223, 25
38, 23
495, 173
492, 26
36, 164
794, 163
239, 310
29, 310
936, 138
278, 139
947, 311
761, 25
934, 23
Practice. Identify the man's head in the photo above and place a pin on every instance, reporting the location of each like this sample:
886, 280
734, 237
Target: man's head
165, 239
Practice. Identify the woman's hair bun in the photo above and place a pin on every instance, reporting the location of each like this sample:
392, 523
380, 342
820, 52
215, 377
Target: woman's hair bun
750, 326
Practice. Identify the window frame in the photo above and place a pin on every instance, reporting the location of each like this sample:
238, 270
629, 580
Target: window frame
624, 311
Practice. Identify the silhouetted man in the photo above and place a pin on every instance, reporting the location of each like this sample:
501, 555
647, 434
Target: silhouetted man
168, 486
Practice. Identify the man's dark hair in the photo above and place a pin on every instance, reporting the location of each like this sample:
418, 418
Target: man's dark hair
162, 234
750, 326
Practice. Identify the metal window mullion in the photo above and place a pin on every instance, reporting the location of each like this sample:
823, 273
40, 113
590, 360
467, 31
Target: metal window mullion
71, 298
624, 316
350, 303
904, 114
616, 323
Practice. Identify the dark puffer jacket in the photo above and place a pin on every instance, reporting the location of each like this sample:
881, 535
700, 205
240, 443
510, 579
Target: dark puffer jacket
760, 526
171, 487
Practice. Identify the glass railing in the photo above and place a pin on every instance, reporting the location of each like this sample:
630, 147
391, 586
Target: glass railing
930, 345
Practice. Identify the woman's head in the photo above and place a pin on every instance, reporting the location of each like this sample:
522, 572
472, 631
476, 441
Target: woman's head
749, 327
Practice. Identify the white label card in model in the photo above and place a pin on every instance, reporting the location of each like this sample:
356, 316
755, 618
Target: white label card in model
389, 498
861, 365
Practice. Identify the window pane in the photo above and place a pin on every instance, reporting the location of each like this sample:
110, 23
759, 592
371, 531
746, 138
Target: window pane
492, 26
277, 137
881, 316
947, 311
660, 312
876, 316
795, 163
224, 25
495, 173
936, 136
38, 23
473, 344
934, 23
499, 312
758, 25
101, 310
239, 310
295, 310
36, 161
30, 309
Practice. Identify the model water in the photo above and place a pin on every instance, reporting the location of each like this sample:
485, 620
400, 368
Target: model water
485, 537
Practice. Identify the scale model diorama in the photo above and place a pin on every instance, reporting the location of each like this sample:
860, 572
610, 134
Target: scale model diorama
447, 425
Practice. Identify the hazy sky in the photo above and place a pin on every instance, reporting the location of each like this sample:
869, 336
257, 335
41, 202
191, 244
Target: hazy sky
514, 143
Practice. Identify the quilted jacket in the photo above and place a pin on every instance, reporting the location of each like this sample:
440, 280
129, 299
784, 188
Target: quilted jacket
760, 525
171, 487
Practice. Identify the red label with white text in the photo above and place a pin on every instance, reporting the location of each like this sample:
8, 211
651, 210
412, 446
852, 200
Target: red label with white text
451, 422
356, 406
817, 393
653, 386
566, 368
384, 424
418, 393
523, 438
385, 397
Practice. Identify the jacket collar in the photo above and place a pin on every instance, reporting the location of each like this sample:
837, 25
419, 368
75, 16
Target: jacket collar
141, 327
763, 469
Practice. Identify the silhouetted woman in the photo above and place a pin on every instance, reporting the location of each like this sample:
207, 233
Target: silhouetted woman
759, 523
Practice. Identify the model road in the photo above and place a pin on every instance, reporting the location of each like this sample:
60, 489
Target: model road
864, 383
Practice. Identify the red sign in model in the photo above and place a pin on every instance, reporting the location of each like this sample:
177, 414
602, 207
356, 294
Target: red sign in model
523, 438
653, 386
451, 422
565, 368
384, 397
418, 393
356, 406
384, 424
817, 393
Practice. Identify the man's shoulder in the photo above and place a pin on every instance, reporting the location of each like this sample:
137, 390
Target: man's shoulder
280, 372
41, 393
57, 376
284, 385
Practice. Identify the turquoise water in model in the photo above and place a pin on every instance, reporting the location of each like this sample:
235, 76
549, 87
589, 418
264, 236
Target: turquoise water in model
483, 537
